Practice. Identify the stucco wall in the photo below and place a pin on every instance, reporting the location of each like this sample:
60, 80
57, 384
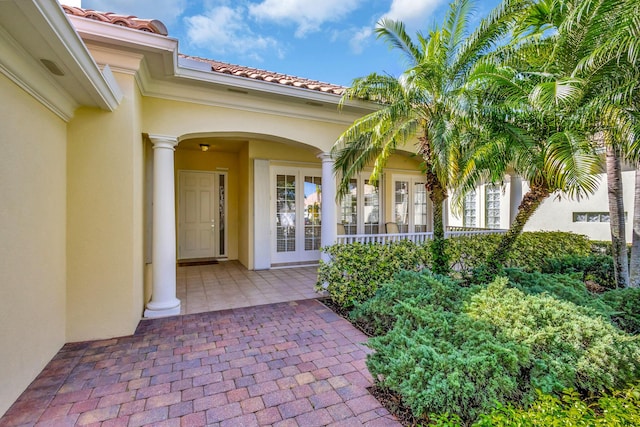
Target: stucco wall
176, 118
557, 214
32, 232
105, 219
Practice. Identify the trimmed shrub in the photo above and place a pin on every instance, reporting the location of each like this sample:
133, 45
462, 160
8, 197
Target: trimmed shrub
445, 362
625, 308
619, 409
496, 344
357, 269
567, 287
571, 346
597, 268
529, 252
427, 289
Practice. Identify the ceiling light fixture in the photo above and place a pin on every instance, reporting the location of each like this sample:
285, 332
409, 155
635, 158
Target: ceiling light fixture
204, 147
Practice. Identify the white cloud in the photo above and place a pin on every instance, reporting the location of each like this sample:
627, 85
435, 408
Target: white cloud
360, 39
167, 11
308, 16
223, 30
415, 14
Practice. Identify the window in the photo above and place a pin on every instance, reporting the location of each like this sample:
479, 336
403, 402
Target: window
492, 206
470, 213
410, 205
360, 208
593, 216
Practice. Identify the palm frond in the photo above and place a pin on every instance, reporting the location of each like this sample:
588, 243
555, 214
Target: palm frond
395, 35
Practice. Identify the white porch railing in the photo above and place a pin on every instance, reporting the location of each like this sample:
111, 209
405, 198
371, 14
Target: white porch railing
414, 237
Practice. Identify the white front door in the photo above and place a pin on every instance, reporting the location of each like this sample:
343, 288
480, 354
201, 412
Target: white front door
201, 215
296, 206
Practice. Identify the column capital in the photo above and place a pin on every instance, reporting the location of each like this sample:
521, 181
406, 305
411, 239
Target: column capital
325, 157
163, 141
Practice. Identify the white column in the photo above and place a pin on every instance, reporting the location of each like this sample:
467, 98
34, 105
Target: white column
515, 196
261, 221
163, 298
329, 227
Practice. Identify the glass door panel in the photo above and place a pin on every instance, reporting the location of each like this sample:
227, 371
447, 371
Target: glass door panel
285, 213
222, 232
349, 209
401, 205
312, 212
371, 208
419, 207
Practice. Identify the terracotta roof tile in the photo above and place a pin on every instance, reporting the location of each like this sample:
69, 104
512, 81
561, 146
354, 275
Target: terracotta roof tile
129, 21
268, 76
157, 27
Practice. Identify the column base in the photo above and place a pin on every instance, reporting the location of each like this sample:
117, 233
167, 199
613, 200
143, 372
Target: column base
161, 310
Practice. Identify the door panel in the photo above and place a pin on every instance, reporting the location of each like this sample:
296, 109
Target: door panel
201, 226
296, 213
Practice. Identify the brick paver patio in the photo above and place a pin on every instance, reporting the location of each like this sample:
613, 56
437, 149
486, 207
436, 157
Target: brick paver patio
285, 364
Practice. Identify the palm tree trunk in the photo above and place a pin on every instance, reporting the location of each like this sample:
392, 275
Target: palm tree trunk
529, 204
437, 194
634, 264
439, 256
616, 217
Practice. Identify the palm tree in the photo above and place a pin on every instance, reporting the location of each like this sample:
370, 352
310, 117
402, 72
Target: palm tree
430, 105
610, 59
536, 134
535, 107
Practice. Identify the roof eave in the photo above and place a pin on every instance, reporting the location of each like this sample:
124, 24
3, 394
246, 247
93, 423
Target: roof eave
39, 29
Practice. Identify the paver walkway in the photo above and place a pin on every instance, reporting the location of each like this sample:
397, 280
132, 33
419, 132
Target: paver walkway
286, 364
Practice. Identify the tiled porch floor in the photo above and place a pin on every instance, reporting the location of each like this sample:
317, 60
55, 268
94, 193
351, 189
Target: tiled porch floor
285, 364
229, 284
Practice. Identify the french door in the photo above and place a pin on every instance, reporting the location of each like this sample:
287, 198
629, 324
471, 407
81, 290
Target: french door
410, 204
202, 216
296, 206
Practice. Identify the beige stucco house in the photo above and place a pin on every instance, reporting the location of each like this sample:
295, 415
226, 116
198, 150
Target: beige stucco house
119, 156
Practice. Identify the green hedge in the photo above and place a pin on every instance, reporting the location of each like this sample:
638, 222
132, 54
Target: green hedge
452, 352
357, 270
530, 251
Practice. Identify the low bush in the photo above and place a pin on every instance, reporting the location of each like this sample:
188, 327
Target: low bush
356, 270
617, 409
495, 344
571, 346
625, 308
444, 362
427, 289
597, 268
567, 287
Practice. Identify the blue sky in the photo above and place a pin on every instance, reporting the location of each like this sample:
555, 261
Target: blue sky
327, 40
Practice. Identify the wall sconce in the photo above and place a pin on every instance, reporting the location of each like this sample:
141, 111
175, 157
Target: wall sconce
204, 147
